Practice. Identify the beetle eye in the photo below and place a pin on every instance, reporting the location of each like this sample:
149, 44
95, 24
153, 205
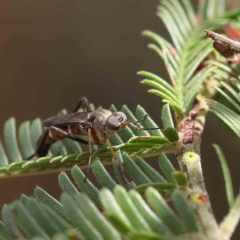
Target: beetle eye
121, 116
112, 122
120, 119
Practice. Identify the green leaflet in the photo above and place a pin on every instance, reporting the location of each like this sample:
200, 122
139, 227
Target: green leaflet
87, 187
185, 211
228, 98
66, 184
180, 178
161, 187
129, 209
153, 220
171, 134
25, 139
93, 214
167, 117
167, 167
227, 115
102, 175
149, 140
47, 199
78, 218
226, 174
3, 156
11, 141
164, 211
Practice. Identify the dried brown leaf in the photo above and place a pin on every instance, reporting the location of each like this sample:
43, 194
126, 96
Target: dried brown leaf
227, 47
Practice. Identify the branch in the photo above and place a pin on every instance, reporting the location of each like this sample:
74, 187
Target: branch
227, 47
229, 223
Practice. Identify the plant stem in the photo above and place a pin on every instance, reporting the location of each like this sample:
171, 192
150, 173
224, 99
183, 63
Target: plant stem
229, 223
189, 160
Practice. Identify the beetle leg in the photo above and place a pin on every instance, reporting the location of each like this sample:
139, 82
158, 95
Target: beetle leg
141, 119
120, 167
90, 154
68, 135
43, 147
83, 100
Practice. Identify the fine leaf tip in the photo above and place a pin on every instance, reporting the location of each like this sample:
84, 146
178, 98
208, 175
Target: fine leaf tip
151, 46
226, 174
154, 91
211, 101
210, 33
144, 33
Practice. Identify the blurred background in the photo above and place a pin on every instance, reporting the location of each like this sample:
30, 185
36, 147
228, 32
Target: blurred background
52, 52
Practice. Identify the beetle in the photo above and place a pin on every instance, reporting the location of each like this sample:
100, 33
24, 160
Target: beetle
98, 125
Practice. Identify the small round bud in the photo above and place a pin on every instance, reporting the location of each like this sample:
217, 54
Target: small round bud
191, 158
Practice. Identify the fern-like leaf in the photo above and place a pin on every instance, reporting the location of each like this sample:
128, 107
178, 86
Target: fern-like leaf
187, 54
230, 91
127, 215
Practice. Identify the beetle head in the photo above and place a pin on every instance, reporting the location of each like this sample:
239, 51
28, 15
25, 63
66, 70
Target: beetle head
116, 121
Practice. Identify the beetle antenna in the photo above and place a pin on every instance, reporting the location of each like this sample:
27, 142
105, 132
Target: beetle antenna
138, 128
87, 172
151, 128
141, 119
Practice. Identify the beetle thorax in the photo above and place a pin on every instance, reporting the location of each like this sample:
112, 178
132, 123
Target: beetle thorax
98, 119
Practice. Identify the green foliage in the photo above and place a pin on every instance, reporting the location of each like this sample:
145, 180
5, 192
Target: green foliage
126, 214
230, 91
137, 209
226, 174
186, 56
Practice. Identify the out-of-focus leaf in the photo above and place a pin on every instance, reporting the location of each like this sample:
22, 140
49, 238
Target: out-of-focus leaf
226, 174
231, 118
